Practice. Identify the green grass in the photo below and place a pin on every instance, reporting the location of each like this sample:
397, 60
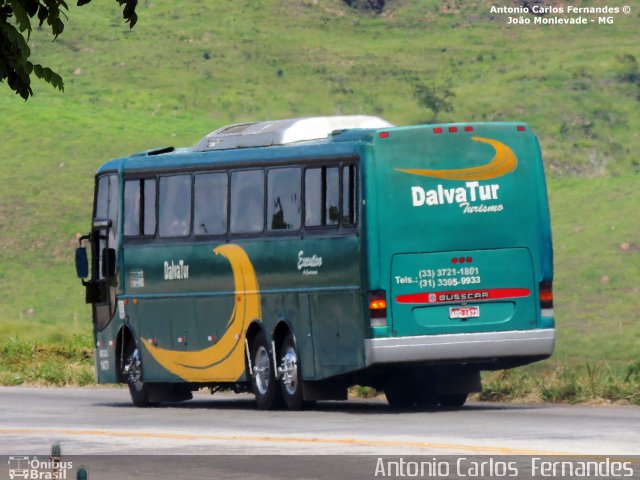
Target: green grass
597, 259
68, 362
592, 382
189, 67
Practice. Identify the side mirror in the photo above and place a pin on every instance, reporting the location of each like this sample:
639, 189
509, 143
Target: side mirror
82, 263
108, 262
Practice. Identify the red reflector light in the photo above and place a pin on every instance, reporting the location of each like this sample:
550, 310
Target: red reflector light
378, 304
453, 129
521, 128
546, 295
384, 134
468, 129
461, 260
437, 130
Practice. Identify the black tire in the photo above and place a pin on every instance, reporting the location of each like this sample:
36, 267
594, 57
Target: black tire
263, 379
291, 381
399, 392
453, 400
132, 372
426, 397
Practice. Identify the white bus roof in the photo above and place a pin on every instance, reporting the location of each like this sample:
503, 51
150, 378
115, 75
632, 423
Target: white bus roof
282, 132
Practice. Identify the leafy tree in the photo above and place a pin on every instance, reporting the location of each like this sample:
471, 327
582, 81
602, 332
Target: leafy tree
15, 20
434, 98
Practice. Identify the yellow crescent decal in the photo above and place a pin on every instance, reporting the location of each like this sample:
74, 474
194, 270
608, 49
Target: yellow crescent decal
224, 361
504, 161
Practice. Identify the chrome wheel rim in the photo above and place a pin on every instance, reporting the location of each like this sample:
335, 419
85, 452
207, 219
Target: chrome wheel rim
290, 370
261, 370
133, 370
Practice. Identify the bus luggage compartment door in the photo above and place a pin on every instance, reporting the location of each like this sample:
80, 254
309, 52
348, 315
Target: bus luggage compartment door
463, 292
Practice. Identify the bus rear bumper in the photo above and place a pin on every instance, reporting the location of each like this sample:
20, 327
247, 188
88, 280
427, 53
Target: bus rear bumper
461, 346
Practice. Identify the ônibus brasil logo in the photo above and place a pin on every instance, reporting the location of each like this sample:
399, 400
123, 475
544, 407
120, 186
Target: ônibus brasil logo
34, 469
467, 196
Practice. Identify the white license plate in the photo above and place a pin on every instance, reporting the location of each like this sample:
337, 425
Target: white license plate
464, 312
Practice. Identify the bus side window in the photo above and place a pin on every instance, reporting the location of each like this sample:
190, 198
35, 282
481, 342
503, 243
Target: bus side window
175, 206
283, 204
349, 195
139, 207
247, 201
322, 196
149, 206
332, 197
210, 204
107, 204
131, 224
313, 197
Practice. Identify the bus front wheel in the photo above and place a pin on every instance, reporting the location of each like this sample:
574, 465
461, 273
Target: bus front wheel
263, 379
132, 371
291, 382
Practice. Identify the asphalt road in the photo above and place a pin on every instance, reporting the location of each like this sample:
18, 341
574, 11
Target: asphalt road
103, 421
225, 436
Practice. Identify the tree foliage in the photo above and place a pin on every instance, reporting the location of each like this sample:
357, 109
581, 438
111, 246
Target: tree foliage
434, 98
16, 17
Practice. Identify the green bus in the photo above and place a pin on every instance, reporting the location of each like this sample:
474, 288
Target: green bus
296, 258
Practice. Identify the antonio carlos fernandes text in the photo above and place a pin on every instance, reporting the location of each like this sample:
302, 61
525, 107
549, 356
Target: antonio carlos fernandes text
492, 468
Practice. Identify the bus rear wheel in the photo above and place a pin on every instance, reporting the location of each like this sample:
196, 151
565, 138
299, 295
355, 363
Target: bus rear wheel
453, 400
398, 391
132, 371
291, 381
263, 379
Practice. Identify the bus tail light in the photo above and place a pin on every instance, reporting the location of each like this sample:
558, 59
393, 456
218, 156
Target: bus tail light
378, 308
546, 299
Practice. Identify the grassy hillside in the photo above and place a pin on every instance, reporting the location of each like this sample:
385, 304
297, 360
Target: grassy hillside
189, 67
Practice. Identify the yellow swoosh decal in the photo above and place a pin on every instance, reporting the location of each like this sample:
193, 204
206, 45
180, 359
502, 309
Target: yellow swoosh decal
504, 161
225, 360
